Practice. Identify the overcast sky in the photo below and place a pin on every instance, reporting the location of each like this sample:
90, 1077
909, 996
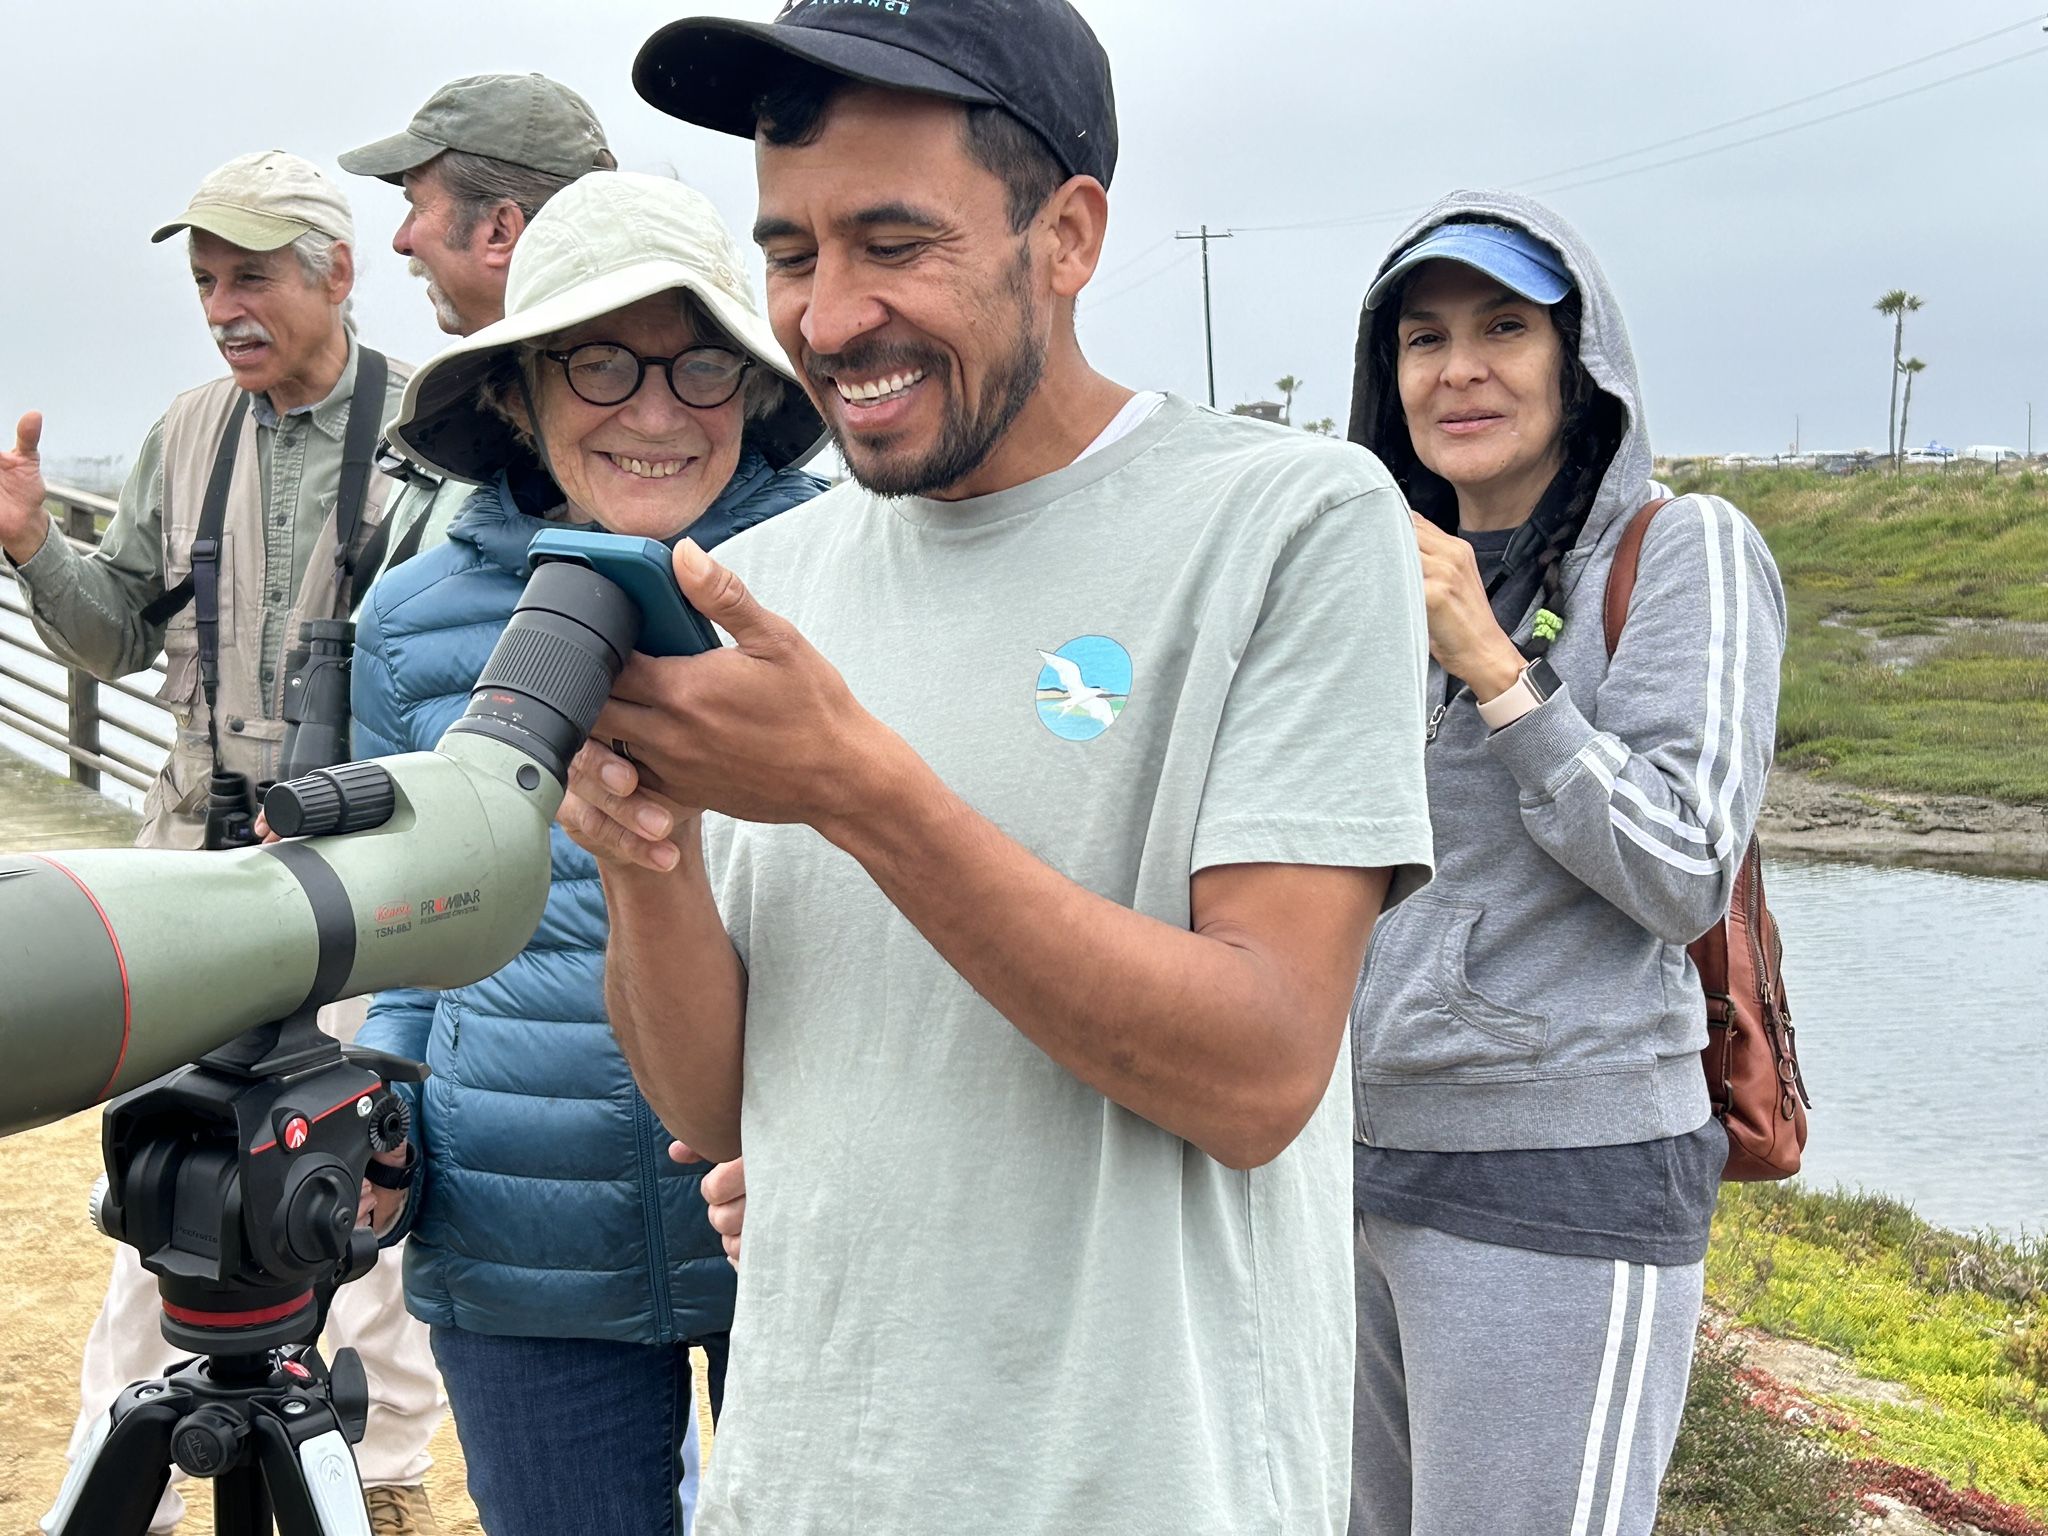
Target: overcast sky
1747, 277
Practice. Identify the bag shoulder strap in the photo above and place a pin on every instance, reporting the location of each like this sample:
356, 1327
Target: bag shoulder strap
1621, 576
213, 516
358, 455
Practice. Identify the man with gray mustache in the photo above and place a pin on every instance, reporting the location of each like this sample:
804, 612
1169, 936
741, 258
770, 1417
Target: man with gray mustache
476, 163
272, 251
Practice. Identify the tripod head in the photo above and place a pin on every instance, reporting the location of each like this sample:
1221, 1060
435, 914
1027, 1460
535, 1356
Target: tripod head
236, 1181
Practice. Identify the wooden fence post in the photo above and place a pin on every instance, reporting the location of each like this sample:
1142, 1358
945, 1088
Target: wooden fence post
85, 692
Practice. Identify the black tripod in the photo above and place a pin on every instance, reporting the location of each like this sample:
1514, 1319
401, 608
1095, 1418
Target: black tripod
236, 1179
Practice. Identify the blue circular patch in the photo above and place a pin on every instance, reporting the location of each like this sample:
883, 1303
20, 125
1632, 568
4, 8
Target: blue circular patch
1083, 686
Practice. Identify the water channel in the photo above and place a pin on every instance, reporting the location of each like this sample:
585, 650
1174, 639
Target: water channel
1921, 1002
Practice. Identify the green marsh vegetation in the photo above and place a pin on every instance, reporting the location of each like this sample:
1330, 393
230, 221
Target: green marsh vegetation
1959, 1322
1918, 654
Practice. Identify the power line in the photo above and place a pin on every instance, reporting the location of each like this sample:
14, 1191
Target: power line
1177, 260
1388, 215
1783, 106
1811, 122
1124, 266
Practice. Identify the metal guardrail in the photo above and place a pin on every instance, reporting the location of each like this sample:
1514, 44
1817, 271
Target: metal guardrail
78, 724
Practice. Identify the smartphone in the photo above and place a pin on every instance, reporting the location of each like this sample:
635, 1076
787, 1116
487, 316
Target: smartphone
645, 569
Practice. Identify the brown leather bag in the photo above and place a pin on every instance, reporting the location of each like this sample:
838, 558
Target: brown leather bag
1751, 1061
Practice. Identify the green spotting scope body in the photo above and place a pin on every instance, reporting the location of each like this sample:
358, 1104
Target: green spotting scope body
120, 965
441, 893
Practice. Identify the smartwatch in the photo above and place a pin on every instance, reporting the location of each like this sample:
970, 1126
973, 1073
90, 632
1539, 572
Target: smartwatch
1537, 682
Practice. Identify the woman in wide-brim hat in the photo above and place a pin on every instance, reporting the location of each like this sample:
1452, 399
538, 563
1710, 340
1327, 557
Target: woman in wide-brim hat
562, 1261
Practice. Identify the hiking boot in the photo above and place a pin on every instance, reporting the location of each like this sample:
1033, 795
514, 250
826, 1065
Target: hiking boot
400, 1512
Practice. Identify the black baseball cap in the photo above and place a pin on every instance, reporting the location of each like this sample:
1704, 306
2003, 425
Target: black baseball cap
1036, 59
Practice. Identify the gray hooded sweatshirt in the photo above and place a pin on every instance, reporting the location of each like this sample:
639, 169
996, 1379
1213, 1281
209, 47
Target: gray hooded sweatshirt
1538, 994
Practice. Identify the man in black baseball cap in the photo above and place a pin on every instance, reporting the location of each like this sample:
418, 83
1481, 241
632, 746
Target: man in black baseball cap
1063, 758
1036, 59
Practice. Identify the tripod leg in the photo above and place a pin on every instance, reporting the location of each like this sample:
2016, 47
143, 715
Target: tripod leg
241, 1506
314, 1485
113, 1487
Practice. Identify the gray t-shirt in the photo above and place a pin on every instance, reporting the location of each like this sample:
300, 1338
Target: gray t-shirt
977, 1295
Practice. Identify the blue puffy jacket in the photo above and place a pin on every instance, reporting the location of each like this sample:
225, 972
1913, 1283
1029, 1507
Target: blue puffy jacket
548, 1205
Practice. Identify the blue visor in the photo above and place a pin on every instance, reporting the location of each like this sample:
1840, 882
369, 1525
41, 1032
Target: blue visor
1512, 257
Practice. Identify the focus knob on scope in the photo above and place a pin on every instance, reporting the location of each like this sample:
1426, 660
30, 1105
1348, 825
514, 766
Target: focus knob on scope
351, 798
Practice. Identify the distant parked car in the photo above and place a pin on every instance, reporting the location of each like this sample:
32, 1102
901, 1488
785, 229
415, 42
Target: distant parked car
1987, 453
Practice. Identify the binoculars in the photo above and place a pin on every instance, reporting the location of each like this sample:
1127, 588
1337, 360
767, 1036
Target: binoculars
316, 713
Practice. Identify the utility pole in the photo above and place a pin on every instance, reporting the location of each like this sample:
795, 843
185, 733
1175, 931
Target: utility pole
2030, 409
1795, 436
1208, 327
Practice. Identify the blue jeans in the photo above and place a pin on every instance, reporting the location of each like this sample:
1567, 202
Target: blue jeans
578, 1435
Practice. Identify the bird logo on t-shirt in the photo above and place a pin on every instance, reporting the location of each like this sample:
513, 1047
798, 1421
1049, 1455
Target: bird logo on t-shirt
1083, 687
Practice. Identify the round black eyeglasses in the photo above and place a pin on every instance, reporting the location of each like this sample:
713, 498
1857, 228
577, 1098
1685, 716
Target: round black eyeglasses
609, 373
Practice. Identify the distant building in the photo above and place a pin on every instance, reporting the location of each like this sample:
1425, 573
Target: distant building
1262, 410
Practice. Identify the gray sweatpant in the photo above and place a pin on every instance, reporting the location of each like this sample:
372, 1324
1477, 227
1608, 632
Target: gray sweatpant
1513, 1393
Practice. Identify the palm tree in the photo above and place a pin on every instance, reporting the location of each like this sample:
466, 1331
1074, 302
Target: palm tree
1898, 304
1287, 387
1909, 367
1326, 427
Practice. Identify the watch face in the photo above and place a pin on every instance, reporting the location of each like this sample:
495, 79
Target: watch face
1543, 679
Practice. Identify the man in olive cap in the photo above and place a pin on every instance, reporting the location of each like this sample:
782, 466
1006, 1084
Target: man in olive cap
477, 162
296, 537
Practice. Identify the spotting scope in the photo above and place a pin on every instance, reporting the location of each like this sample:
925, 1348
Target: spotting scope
423, 870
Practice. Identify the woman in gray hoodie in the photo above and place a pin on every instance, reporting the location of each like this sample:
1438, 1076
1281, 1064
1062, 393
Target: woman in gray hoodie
1536, 1163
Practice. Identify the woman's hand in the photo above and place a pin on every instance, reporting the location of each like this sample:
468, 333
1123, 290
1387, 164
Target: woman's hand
615, 813
379, 1208
1464, 636
725, 1191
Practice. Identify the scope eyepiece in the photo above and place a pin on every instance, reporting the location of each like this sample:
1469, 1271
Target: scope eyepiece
230, 811
553, 667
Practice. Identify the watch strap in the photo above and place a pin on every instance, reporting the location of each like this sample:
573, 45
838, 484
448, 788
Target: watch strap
1536, 683
384, 1176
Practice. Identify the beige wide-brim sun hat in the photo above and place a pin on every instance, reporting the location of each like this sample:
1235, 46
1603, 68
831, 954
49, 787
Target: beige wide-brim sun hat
604, 241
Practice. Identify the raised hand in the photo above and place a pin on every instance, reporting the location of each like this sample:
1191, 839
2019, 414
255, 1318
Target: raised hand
23, 522
1464, 636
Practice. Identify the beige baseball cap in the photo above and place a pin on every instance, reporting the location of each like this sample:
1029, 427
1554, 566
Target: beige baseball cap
263, 201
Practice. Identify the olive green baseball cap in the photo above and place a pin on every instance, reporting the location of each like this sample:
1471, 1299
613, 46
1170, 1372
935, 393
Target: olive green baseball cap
263, 201
526, 120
